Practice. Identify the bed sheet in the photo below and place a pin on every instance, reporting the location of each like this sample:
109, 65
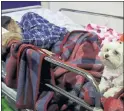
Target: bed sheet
57, 18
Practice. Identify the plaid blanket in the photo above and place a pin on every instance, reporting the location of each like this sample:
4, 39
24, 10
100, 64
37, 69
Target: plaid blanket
28, 72
38, 31
80, 49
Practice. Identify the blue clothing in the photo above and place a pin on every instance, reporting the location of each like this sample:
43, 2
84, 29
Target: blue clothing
38, 31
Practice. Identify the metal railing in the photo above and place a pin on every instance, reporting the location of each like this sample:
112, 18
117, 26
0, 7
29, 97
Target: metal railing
91, 13
63, 92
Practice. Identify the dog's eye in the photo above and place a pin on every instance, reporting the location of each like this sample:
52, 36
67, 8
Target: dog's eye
116, 52
107, 50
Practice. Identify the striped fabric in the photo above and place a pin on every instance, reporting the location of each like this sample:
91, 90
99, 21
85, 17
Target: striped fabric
80, 49
27, 71
25, 68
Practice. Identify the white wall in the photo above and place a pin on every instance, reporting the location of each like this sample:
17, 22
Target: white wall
113, 8
45, 4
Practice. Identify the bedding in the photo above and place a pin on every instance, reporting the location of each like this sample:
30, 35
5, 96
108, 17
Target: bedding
75, 49
28, 55
56, 18
47, 99
31, 93
29, 76
33, 35
79, 49
104, 33
38, 31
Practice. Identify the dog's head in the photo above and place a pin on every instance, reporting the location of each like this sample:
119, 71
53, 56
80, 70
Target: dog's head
111, 54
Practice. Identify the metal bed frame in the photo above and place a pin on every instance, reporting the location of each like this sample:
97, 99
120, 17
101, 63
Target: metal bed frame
12, 93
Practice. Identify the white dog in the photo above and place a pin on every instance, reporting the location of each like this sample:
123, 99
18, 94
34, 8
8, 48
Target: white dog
111, 56
111, 82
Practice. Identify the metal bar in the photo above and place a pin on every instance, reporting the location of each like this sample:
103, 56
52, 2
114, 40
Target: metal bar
12, 94
91, 13
77, 70
71, 97
9, 92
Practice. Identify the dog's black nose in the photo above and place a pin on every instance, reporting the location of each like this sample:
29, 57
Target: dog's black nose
106, 56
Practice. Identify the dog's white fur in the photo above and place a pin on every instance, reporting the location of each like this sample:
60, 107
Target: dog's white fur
112, 57
113, 68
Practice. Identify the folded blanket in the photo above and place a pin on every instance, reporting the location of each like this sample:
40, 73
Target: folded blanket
28, 72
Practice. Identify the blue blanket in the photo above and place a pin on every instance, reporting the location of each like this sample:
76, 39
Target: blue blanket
38, 31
